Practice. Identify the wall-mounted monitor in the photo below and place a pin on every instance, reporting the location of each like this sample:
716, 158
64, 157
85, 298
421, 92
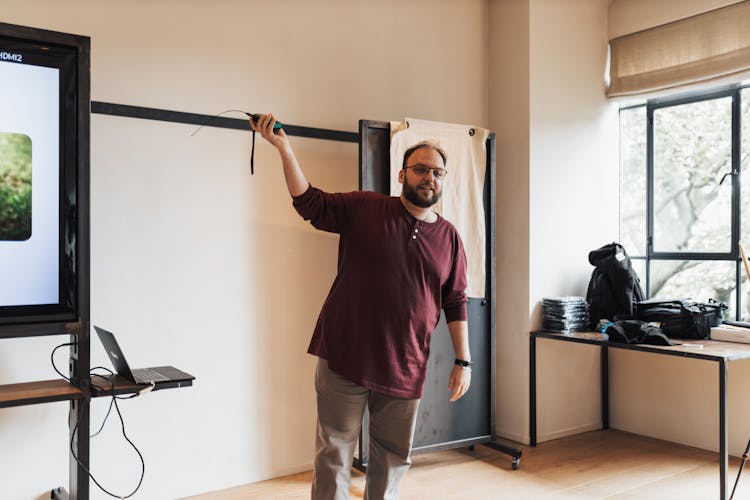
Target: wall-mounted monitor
44, 177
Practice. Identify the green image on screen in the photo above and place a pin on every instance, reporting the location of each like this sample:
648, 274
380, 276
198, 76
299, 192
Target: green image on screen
15, 187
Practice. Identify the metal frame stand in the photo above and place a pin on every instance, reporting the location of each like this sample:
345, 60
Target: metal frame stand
587, 338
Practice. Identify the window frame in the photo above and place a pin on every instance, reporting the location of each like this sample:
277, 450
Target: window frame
734, 92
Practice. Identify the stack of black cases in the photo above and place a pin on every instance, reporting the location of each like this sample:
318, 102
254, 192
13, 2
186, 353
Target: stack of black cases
565, 314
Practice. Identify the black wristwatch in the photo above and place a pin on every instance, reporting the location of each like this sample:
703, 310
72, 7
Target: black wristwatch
463, 362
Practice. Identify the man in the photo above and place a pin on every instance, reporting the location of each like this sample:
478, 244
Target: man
399, 264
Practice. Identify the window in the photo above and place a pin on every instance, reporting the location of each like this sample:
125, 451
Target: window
682, 206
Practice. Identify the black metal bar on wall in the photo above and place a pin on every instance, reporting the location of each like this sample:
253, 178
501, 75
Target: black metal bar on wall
165, 115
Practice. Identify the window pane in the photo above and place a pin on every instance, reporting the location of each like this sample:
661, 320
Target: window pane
692, 151
639, 266
695, 280
633, 180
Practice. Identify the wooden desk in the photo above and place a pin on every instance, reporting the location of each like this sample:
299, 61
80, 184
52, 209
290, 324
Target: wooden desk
711, 350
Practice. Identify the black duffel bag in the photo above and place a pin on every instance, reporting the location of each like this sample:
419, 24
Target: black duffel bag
682, 319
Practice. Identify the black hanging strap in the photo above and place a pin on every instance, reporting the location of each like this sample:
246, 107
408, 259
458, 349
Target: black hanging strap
252, 156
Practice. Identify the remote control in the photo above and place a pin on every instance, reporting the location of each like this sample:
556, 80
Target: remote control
256, 117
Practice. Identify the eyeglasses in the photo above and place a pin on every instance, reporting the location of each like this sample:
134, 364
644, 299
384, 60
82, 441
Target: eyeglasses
421, 170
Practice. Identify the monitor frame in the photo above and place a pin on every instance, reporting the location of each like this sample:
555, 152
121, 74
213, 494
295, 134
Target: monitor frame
71, 55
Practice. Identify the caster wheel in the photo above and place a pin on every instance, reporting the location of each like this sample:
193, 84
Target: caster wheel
516, 463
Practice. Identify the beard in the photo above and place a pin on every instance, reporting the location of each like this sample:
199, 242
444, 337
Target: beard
412, 194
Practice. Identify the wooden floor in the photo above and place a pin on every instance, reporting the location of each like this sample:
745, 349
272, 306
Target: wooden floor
595, 465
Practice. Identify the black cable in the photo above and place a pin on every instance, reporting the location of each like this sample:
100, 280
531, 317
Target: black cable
254, 117
112, 388
217, 115
111, 383
252, 156
739, 472
112, 393
52, 358
122, 422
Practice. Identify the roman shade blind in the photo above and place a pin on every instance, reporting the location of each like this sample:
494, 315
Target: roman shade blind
701, 48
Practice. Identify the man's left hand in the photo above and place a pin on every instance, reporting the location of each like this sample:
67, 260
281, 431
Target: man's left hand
459, 382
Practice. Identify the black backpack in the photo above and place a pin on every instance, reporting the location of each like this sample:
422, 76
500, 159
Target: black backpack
614, 288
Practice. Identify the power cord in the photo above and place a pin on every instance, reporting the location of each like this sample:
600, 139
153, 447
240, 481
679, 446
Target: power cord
254, 117
113, 402
52, 358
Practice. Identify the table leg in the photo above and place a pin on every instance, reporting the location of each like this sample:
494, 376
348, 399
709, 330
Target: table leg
605, 386
532, 389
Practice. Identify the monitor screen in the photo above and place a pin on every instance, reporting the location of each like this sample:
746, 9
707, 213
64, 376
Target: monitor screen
29, 184
43, 174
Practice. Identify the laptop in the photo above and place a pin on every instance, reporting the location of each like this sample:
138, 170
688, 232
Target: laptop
140, 375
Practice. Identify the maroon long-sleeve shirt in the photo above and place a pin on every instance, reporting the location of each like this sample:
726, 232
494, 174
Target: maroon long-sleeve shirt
395, 274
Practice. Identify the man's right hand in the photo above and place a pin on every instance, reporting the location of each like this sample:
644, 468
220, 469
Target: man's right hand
264, 126
295, 178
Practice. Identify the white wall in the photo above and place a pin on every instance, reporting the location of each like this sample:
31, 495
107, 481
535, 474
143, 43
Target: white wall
557, 188
194, 262
509, 117
574, 189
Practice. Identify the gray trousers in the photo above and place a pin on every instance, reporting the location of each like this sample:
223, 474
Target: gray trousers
341, 406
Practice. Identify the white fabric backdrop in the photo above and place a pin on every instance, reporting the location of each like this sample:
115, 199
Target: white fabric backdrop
461, 202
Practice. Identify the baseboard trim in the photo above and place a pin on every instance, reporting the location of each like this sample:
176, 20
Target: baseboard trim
572, 431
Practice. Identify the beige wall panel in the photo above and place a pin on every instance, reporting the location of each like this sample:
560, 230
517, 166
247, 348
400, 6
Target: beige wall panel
509, 117
573, 174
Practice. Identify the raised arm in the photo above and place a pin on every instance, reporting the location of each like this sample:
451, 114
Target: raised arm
296, 182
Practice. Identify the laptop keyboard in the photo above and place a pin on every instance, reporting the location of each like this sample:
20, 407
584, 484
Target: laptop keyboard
146, 375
